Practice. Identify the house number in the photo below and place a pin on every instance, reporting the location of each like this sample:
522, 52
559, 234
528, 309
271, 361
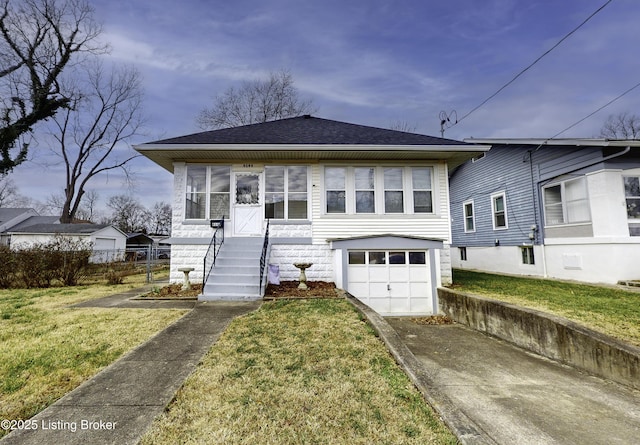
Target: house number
247, 165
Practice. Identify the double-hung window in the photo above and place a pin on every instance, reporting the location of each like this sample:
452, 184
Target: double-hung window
566, 202
469, 218
393, 190
499, 211
285, 192
365, 189
335, 184
207, 192
422, 194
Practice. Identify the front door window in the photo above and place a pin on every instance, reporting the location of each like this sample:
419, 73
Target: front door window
248, 189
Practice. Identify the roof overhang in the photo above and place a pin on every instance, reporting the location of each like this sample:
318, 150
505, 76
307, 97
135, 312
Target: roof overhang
578, 142
166, 154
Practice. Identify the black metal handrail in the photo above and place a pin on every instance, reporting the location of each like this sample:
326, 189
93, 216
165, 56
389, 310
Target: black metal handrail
263, 257
214, 247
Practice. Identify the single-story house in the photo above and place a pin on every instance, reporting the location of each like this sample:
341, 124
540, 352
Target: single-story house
19, 218
105, 238
369, 207
560, 208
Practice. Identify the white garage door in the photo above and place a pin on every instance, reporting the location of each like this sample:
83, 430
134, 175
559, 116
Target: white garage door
391, 282
104, 244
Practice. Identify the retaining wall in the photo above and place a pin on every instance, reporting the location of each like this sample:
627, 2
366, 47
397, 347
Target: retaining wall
548, 335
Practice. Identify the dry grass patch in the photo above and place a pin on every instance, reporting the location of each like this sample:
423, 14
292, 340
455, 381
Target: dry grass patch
306, 371
48, 348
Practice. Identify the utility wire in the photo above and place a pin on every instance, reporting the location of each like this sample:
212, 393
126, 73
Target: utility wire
534, 62
590, 114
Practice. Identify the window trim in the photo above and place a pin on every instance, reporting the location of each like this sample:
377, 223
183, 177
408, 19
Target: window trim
286, 192
527, 259
564, 202
207, 191
503, 195
465, 217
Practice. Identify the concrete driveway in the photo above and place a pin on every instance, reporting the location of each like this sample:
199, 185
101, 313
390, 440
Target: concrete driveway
517, 397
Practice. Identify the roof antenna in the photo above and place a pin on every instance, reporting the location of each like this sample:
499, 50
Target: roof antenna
445, 120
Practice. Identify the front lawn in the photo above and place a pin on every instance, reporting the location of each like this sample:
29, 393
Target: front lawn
294, 372
610, 310
48, 349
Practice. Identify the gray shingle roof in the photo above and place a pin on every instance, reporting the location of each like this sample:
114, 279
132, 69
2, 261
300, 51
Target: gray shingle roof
308, 130
79, 229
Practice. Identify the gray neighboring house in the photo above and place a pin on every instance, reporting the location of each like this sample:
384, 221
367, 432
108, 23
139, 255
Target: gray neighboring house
562, 208
25, 227
19, 218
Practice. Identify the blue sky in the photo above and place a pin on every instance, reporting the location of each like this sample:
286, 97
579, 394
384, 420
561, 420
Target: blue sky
373, 62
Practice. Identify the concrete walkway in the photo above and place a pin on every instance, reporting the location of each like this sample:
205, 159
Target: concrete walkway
119, 403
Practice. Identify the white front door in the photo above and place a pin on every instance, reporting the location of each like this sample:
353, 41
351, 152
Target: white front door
247, 205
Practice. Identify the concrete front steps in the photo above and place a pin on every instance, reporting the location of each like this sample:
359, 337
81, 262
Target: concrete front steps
236, 274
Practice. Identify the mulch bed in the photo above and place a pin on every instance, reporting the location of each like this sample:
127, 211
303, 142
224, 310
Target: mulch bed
286, 289
289, 289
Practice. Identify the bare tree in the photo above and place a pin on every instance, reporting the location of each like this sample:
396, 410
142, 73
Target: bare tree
128, 214
39, 40
621, 126
89, 134
159, 219
254, 102
8, 192
403, 126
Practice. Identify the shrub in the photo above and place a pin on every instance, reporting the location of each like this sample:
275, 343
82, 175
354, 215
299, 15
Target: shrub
7, 267
63, 259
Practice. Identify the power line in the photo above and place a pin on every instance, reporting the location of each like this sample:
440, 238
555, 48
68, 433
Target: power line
594, 112
534, 62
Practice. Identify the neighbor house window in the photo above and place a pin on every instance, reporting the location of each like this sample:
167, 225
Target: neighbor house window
393, 190
207, 192
632, 198
566, 202
527, 255
463, 253
285, 192
335, 185
499, 210
469, 219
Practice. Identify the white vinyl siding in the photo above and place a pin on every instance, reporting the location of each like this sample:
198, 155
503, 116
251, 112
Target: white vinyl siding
349, 224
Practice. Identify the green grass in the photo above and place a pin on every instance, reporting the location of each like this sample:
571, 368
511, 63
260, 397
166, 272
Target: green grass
609, 310
48, 348
297, 372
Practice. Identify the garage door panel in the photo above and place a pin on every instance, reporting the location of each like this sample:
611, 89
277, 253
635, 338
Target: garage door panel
420, 290
378, 274
378, 290
398, 274
418, 273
